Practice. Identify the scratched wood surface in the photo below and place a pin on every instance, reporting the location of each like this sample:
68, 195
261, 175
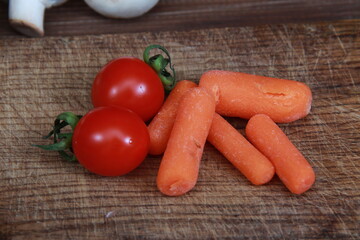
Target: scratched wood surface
43, 197
76, 18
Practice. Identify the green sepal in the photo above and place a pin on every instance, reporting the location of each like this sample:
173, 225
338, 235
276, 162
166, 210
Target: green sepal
68, 157
159, 64
70, 118
62, 141
59, 146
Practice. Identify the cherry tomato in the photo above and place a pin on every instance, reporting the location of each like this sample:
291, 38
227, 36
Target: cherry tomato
130, 83
110, 141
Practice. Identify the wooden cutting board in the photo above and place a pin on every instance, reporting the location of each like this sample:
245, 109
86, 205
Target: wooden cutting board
43, 197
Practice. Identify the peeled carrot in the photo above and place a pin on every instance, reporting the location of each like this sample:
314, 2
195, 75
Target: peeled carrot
244, 95
161, 125
242, 154
290, 165
179, 166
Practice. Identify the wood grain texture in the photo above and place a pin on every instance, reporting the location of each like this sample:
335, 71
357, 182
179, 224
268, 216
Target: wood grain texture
76, 18
43, 197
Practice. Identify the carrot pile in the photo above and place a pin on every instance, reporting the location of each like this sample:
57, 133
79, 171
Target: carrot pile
192, 115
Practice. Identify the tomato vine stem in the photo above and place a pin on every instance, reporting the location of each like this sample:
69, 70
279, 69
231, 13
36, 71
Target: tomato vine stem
62, 141
159, 64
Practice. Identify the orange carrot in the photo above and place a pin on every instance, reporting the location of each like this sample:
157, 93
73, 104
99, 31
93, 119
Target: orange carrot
179, 166
290, 165
244, 95
242, 154
161, 125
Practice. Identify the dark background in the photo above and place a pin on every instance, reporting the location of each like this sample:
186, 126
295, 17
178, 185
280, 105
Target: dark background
76, 18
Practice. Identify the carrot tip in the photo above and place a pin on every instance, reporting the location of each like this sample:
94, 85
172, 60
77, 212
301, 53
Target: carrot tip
304, 185
177, 188
265, 179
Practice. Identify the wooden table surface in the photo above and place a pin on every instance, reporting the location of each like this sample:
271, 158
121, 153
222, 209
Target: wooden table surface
315, 42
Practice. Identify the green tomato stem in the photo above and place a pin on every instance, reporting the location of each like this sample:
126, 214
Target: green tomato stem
159, 64
62, 141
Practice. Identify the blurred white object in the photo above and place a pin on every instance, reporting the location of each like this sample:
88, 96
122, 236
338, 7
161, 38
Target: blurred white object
121, 8
27, 16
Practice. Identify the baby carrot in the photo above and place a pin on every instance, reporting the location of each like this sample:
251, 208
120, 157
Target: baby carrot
290, 165
242, 154
179, 166
161, 125
244, 95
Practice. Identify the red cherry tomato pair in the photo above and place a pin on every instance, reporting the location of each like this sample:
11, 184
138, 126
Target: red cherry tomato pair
112, 139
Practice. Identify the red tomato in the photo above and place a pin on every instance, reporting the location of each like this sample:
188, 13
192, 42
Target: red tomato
110, 141
130, 83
